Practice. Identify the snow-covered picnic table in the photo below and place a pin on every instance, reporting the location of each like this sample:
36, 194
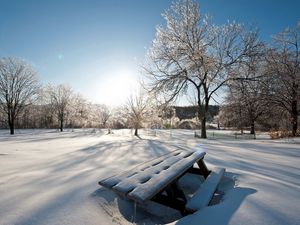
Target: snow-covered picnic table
157, 180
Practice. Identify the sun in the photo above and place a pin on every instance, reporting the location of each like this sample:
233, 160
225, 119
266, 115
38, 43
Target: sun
117, 87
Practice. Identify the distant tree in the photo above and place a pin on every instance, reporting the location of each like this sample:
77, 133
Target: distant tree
284, 70
135, 109
104, 114
154, 116
118, 119
248, 93
59, 98
216, 120
231, 113
79, 110
191, 52
167, 114
18, 87
47, 113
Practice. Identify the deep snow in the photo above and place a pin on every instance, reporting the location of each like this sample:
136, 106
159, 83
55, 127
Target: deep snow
47, 177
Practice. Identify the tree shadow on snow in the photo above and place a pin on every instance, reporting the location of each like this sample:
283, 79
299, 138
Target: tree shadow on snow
225, 203
221, 213
121, 209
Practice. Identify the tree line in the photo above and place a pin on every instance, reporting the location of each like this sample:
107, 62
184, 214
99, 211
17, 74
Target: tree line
25, 103
190, 54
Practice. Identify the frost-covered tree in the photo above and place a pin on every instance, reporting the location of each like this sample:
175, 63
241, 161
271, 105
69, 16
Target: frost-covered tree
135, 109
247, 98
104, 114
59, 98
284, 70
231, 113
192, 53
18, 88
79, 111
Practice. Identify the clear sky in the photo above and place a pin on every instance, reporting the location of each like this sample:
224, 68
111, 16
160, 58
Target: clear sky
96, 46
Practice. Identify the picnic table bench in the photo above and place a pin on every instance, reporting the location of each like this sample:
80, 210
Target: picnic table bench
156, 180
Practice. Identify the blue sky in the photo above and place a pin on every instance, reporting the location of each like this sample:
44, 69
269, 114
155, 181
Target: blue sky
94, 44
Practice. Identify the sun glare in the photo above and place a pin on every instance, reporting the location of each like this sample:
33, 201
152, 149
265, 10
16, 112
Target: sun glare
118, 87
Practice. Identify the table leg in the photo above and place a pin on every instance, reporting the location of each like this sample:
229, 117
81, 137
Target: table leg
204, 171
175, 198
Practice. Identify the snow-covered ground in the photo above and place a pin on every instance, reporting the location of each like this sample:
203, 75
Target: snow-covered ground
47, 177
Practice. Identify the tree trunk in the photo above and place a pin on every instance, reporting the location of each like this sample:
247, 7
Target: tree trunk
136, 132
203, 127
294, 118
295, 126
61, 125
252, 129
202, 114
203, 122
202, 117
240, 122
12, 127
11, 123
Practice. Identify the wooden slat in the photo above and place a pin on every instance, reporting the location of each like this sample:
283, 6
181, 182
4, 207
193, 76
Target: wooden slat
203, 196
115, 179
157, 183
127, 184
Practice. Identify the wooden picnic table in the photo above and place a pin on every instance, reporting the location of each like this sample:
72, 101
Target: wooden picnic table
156, 179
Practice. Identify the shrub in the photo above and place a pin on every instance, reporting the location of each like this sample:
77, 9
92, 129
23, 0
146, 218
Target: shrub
277, 134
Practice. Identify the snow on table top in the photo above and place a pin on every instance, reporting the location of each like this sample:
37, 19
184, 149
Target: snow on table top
144, 181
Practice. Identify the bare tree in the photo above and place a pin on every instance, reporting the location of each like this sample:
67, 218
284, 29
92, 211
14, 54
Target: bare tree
232, 113
191, 52
18, 87
79, 111
59, 98
284, 70
118, 119
135, 110
104, 114
248, 93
